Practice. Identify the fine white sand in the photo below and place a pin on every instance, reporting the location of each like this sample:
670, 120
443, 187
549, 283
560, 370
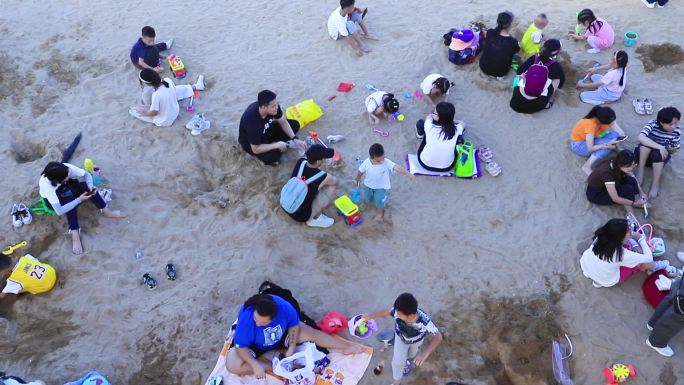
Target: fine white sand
494, 260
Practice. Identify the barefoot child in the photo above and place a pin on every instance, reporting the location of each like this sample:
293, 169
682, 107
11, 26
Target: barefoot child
658, 141
530, 43
379, 104
433, 87
376, 171
411, 326
345, 21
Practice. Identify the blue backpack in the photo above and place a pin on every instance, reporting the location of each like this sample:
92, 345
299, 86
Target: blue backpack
294, 192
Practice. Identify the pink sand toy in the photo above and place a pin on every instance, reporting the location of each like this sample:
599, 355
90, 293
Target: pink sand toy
190, 107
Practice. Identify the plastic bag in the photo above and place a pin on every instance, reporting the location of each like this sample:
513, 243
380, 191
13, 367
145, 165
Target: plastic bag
304, 112
305, 356
559, 360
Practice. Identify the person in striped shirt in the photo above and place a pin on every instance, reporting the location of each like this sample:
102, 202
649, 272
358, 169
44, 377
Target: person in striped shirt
658, 140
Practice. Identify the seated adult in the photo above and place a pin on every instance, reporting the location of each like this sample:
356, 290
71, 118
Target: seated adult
160, 98
28, 276
60, 188
320, 191
612, 183
595, 136
463, 46
264, 130
658, 141
267, 323
524, 103
439, 134
145, 54
499, 47
607, 262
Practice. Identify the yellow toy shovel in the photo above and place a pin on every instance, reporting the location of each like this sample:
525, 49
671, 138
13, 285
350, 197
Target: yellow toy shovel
10, 249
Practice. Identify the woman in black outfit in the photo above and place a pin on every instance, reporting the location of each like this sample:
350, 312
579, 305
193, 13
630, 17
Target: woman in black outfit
525, 104
499, 47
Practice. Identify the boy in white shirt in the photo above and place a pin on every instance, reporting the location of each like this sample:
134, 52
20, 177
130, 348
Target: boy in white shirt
345, 21
376, 183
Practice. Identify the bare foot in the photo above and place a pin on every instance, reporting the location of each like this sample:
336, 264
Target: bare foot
358, 52
653, 193
365, 49
114, 214
369, 37
587, 170
77, 247
352, 349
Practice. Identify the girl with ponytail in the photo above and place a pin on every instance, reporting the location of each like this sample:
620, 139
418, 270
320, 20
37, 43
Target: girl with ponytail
609, 87
499, 47
598, 34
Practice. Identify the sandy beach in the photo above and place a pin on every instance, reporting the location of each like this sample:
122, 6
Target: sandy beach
494, 260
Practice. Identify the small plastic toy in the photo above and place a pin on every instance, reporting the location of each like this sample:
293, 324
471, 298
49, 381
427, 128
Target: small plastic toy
396, 116
89, 166
578, 26
190, 107
362, 328
348, 210
371, 87
345, 87
333, 322
10, 249
630, 38
380, 132
314, 137
418, 95
356, 195
407, 95
177, 66
618, 373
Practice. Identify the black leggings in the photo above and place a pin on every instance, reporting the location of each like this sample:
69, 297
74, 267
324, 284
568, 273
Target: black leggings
628, 189
420, 129
276, 134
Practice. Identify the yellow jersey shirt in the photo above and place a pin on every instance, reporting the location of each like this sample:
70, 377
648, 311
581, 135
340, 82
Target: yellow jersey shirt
34, 276
527, 43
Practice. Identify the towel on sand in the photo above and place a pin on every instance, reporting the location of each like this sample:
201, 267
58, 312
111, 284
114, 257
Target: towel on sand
342, 370
414, 167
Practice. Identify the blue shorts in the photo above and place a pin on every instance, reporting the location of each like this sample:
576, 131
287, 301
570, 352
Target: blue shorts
376, 196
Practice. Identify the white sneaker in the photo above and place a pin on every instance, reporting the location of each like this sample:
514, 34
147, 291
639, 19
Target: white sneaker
322, 221
199, 124
680, 256
199, 86
593, 50
649, 327
647, 4
169, 43
16, 217
25, 214
594, 284
660, 265
666, 351
106, 195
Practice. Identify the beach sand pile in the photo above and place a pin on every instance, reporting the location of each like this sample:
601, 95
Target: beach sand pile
494, 260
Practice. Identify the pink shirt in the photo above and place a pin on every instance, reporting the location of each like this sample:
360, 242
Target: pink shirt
605, 35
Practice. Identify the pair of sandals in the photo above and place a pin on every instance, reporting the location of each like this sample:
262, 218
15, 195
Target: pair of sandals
486, 156
151, 283
643, 106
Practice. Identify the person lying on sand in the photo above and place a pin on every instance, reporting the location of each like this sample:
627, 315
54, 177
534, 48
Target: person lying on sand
658, 141
160, 98
345, 22
29, 275
265, 131
63, 193
411, 327
145, 54
267, 323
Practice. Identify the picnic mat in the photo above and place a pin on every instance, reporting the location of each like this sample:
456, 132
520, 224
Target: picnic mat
414, 167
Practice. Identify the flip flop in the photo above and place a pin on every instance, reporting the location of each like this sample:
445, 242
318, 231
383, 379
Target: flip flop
218, 380
371, 87
380, 132
10, 249
493, 168
148, 281
648, 107
486, 154
639, 106
170, 272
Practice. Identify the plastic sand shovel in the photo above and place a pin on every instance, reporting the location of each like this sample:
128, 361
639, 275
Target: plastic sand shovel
190, 107
407, 95
418, 94
10, 249
380, 132
371, 87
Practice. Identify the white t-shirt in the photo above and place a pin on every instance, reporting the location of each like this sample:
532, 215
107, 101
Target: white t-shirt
337, 24
607, 274
49, 192
164, 100
374, 100
426, 85
14, 287
377, 176
439, 152
611, 81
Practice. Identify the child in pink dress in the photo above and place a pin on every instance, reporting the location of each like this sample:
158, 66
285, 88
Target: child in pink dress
599, 34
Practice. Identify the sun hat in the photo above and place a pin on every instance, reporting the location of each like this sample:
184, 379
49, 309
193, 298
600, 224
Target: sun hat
461, 40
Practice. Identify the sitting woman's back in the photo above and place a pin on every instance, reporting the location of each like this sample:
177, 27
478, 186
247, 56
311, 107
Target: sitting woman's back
440, 134
499, 47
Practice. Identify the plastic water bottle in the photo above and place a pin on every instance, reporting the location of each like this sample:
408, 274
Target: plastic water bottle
96, 177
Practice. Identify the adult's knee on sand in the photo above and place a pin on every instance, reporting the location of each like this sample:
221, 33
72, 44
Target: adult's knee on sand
234, 363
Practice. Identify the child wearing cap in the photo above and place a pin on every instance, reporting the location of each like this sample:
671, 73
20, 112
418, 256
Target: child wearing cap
435, 86
379, 104
463, 47
530, 43
345, 21
375, 171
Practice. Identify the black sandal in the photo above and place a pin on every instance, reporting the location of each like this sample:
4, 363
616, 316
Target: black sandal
148, 281
170, 272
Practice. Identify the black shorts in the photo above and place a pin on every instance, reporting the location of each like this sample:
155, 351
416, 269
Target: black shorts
654, 157
256, 352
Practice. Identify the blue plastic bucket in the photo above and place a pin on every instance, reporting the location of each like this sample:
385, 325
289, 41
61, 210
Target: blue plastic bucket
631, 38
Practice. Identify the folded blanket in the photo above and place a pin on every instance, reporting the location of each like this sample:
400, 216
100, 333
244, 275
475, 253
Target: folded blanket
342, 370
414, 167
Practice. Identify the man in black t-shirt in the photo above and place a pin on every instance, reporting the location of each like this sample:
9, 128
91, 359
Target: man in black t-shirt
264, 130
317, 198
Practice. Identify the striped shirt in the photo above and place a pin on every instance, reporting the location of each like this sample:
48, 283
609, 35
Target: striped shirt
412, 332
655, 132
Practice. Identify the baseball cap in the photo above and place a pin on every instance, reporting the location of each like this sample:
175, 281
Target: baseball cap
461, 40
318, 152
